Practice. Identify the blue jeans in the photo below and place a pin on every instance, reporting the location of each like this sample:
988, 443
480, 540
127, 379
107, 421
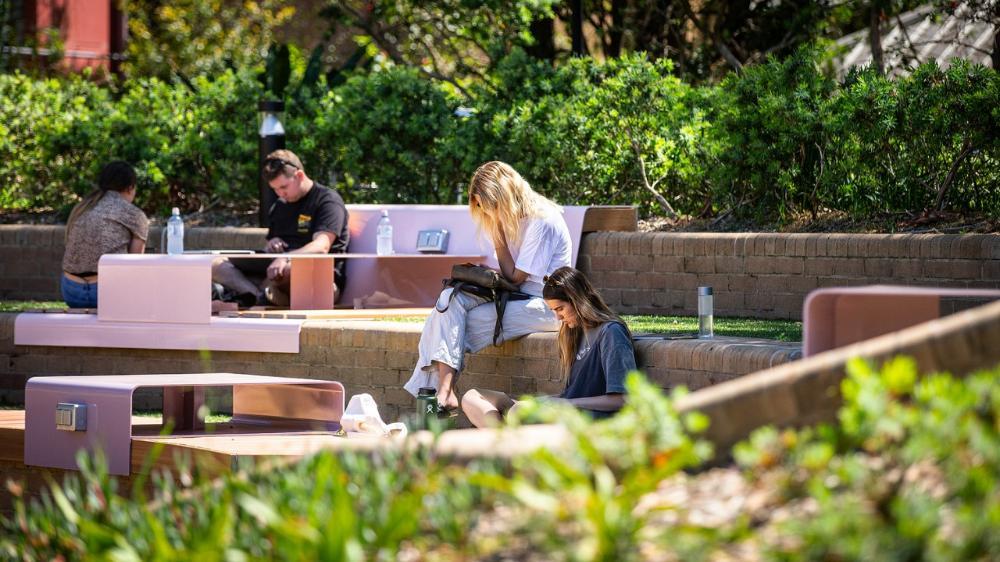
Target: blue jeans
78, 295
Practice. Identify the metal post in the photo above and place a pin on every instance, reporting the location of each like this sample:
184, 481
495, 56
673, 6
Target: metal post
272, 137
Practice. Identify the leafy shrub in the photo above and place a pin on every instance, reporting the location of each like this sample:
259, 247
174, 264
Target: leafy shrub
937, 131
779, 139
50, 131
790, 139
190, 147
577, 131
387, 131
193, 148
776, 139
910, 472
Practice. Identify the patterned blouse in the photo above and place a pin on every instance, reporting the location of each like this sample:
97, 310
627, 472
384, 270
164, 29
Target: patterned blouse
107, 228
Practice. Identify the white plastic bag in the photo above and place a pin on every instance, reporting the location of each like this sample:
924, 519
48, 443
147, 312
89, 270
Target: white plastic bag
361, 416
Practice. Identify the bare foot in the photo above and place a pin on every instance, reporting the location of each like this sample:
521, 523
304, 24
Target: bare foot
447, 399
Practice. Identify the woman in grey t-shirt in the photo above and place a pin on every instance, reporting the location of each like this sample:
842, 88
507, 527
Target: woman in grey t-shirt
104, 222
595, 352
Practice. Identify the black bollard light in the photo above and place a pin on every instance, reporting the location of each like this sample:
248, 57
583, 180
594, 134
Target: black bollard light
272, 137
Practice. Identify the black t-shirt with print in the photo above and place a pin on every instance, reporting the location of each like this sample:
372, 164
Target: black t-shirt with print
320, 210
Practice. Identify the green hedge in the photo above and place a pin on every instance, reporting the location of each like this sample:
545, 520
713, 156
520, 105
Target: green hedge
792, 139
778, 139
910, 472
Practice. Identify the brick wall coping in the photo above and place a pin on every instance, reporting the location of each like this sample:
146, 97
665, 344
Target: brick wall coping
808, 391
756, 275
378, 357
809, 244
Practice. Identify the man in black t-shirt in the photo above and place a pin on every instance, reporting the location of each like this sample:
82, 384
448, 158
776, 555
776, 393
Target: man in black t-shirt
307, 218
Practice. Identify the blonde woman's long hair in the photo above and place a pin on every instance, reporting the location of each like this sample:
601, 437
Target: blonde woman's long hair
499, 198
572, 286
115, 176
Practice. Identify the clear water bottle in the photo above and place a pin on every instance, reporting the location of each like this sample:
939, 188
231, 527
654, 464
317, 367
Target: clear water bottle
383, 245
175, 233
705, 329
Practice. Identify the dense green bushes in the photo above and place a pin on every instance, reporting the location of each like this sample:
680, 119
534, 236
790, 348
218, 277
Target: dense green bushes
910, 472
188, 146
791, 139
778, 139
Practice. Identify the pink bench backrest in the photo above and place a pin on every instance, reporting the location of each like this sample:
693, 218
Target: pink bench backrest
408, 220
833, 317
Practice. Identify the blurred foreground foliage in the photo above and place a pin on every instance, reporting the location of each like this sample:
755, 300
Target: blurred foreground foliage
911, 471
779, 139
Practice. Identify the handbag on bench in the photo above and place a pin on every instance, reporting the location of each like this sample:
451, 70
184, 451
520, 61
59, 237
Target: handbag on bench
487, 284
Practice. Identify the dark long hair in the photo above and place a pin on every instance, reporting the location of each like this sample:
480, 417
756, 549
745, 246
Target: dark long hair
117, 176
571, 285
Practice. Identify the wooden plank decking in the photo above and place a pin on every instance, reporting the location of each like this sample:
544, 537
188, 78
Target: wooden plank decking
218, 448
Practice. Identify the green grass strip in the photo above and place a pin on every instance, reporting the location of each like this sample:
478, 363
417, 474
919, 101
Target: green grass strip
780, 330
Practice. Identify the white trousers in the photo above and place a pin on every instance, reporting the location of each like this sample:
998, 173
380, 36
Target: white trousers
467, 325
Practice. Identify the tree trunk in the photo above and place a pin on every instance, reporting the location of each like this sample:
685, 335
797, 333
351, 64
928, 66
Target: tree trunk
543, 31
875, 36
579, 47
995, 55
615, 31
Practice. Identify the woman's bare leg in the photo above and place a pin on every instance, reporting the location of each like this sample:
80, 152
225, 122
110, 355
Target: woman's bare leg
447, 375
486, 408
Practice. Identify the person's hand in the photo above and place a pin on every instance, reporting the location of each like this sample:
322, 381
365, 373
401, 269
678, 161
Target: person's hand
275, 246
278, 269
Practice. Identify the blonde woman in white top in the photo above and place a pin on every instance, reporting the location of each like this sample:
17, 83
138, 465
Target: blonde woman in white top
531, 241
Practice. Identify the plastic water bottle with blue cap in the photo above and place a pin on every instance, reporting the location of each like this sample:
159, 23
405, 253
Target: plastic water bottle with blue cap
175, 233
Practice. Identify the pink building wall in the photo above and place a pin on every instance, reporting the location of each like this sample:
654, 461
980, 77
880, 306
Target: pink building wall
91, 30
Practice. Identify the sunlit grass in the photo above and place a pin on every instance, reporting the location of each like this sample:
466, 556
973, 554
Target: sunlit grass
22, 306
158, 416
781, 330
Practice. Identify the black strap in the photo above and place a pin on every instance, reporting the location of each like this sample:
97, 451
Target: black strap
501, 305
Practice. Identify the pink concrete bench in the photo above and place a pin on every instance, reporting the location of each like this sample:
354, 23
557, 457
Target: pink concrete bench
838, 316
155, 301
411, 279
102, 410
407, 279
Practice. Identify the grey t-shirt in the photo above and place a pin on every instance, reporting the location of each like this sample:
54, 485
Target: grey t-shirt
107, 228
601, 369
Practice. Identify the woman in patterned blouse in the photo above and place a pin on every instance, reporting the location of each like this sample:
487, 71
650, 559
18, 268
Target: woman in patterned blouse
104, 222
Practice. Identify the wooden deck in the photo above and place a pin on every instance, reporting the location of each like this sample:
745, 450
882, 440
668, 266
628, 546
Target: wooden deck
224, 448
221, 443
218, 449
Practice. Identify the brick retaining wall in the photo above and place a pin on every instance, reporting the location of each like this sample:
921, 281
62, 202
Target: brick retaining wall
769, 275
378, 357
754, 275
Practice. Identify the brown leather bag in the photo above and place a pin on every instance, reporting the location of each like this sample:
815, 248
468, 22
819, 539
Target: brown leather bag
485, 283
481, 276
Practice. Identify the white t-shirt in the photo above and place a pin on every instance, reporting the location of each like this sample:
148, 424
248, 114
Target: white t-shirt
545, 247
